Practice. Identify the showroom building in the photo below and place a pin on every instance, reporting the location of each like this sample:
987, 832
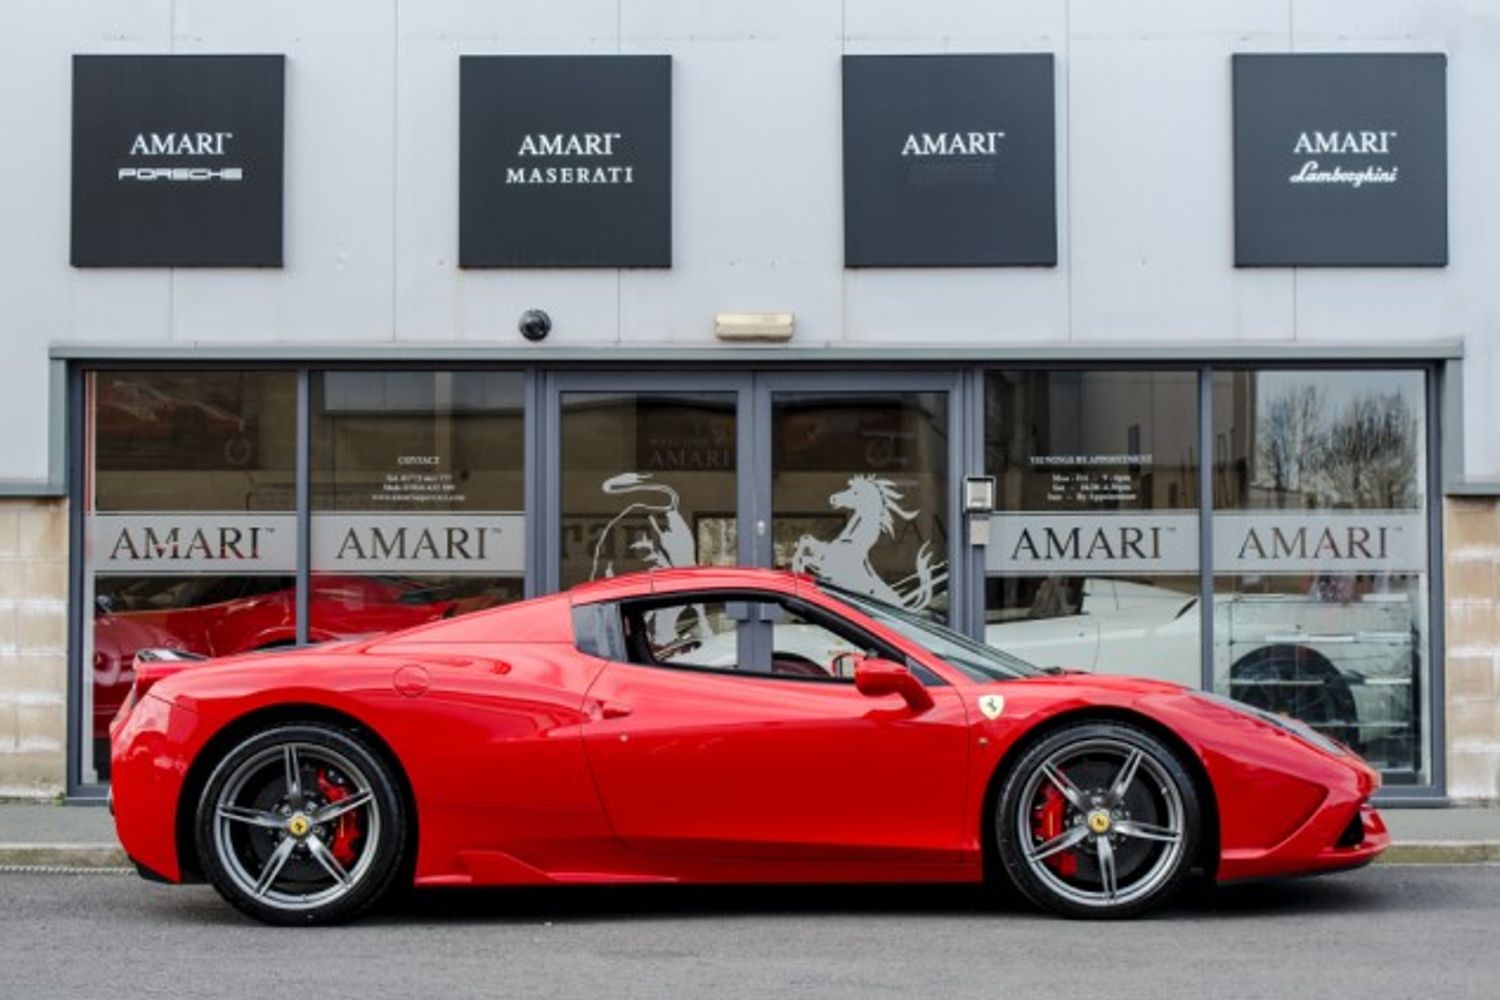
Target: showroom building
1152, 339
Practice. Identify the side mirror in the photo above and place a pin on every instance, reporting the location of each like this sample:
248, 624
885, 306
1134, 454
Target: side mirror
875, 678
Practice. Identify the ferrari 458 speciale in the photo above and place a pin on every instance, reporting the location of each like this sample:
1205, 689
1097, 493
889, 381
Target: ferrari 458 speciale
710, 726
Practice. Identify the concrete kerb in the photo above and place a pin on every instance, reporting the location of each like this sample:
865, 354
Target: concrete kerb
1442, 852
64, 856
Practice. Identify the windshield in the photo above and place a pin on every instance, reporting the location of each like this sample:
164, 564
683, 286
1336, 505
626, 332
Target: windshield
974, 660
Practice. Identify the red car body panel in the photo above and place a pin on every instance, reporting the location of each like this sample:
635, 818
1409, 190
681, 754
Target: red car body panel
338, 606
530, 761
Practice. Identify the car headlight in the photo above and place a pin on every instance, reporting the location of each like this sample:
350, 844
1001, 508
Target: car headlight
1296, 727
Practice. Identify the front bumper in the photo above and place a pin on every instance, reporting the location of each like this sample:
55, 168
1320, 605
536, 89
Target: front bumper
1337, 837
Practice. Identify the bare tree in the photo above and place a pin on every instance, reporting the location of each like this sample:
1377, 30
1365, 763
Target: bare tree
1370, 454
1364, 456
1288, 441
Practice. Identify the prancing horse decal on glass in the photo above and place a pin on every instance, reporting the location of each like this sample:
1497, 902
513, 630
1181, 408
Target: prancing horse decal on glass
873, 505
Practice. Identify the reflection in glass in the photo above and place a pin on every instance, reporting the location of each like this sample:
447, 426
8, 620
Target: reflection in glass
417, 494
1093, 560
648, 482
190, 480
859, 492
1320, 549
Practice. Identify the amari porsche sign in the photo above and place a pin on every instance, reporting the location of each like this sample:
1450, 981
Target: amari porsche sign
177, 161
949, 161
565, 161
1340, 160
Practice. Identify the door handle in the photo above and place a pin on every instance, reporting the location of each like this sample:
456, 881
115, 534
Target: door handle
608, 710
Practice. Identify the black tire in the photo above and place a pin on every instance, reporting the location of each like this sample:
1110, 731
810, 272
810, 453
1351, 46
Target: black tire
253, 781
1299, 682
1073, 874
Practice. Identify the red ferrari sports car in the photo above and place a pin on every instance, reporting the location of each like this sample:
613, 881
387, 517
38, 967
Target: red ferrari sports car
710, 725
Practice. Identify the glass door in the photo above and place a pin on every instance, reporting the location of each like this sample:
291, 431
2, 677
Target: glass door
843, 476
855, 472
644, 473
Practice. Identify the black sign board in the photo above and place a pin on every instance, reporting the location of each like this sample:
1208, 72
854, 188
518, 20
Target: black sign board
565, 161
949, 161
177, 160
1340, 160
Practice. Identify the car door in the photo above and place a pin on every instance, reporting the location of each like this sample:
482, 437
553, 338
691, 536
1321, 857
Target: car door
722, 733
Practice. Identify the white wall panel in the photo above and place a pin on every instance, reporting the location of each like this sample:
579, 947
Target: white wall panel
1144, 183
435, 301
1152, 230
339, 208
757, 219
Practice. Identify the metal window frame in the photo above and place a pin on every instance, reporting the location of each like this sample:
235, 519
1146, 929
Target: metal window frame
1438, 464
964, 368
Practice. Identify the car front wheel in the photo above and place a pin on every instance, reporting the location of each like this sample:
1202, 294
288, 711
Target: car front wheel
301, 824
1097, 819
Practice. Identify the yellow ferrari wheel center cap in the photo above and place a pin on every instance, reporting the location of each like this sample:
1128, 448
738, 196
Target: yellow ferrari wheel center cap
1099, 821
298, 825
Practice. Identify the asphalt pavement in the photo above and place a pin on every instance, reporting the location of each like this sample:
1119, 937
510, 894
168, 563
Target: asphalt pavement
1386, 931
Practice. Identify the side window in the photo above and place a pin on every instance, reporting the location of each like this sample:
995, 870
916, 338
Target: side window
802, 647
756, 634
702, 633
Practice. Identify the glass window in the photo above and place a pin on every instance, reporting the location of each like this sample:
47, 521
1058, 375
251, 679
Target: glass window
740, 633
1320, 553
189, 524
1092, 561
648, 482
417, 495
859, 492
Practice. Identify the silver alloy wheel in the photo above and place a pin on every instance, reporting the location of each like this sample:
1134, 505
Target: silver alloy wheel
296, 821
1097, 823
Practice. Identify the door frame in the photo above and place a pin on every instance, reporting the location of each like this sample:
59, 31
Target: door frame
951, 382
548, 504
753, 389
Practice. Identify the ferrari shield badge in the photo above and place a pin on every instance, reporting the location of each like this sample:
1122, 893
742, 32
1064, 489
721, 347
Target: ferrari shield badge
992, 705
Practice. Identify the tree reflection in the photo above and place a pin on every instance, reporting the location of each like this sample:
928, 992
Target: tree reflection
1361, 454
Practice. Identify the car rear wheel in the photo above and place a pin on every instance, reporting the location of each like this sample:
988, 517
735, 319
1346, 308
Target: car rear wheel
301, 824
1097, 820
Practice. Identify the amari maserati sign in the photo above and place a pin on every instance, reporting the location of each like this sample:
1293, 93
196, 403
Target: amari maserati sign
949, 161
565, 161
1340, 160
177, 161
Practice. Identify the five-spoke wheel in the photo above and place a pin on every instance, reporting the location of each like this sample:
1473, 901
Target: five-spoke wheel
300, 824
1097, 820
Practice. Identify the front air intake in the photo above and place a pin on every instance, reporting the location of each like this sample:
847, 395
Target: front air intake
1354, 833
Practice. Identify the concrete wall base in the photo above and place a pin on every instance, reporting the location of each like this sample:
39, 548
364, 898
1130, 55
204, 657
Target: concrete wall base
33, 647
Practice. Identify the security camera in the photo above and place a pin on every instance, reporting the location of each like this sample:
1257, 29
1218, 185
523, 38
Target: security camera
535, 324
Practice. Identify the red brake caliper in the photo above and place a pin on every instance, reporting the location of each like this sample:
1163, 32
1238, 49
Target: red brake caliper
345, 827
1047, 822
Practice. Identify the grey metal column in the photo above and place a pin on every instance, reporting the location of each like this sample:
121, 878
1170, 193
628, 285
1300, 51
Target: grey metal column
303, 501
78, 617
1205, 524
752, 474
970, 390
533, 489
1437, 659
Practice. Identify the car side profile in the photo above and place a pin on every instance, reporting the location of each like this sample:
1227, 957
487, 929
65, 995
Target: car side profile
607, 735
